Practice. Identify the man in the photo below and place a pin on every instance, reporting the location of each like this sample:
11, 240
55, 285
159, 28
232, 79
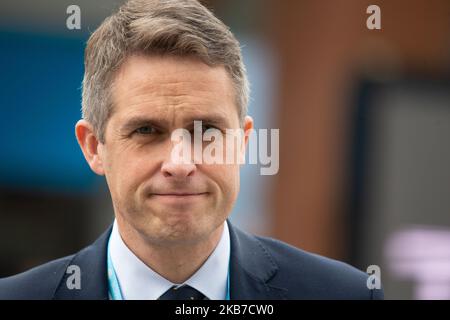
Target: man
152, 68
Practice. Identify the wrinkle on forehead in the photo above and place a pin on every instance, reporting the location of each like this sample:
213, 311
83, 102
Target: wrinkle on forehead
170, 86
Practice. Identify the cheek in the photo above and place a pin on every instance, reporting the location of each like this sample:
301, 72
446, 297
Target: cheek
227, 179
124, 174
233, 185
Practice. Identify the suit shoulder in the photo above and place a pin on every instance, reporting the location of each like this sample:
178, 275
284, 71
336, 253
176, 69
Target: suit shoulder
37, 283
318, 277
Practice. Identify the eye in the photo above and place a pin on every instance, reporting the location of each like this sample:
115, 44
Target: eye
207, 126
146, 130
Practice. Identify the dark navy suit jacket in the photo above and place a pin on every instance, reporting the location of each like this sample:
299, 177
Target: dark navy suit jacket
260, 268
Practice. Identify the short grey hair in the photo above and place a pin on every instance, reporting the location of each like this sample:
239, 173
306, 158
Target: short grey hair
167, 27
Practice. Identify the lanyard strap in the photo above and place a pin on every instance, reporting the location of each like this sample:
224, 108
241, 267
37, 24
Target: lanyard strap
115, 293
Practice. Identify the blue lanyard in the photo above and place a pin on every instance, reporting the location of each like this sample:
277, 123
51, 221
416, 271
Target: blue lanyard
115, 292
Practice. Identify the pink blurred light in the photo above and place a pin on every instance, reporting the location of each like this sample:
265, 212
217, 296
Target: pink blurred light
422, 254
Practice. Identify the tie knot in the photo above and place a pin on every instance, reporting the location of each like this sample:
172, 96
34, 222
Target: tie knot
184, 292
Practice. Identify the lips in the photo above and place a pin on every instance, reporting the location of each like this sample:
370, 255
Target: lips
180, 194
178, 198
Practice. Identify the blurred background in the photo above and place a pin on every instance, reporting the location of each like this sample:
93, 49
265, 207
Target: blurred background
364, 119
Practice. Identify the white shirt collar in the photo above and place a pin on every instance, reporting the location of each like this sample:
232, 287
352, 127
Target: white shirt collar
139, 282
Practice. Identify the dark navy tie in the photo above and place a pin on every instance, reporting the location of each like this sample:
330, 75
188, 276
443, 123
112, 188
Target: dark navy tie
184, 292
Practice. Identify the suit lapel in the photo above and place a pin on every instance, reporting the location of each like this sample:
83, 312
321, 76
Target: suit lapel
251, 268
92, 264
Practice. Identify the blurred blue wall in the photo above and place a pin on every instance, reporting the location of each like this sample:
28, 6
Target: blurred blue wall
40, 103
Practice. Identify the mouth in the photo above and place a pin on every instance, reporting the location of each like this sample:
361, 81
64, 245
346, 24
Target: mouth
179, 196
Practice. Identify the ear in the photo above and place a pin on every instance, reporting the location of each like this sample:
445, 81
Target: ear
248, 128
90, 145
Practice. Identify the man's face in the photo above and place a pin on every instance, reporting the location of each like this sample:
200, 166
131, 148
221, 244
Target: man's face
165, 201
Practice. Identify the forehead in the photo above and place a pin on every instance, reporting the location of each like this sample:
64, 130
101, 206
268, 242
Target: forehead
169, 87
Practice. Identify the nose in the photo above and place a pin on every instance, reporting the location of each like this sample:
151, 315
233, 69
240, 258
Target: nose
179, 163
177, 171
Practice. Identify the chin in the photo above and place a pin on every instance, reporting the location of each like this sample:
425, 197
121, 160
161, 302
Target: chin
177, 235
187, 229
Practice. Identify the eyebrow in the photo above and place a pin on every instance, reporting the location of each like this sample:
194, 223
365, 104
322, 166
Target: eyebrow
139, 121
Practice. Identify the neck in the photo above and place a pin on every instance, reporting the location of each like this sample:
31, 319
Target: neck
176, 263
